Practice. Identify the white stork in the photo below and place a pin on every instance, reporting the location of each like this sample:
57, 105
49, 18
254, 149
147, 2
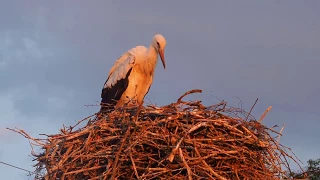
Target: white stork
132, 74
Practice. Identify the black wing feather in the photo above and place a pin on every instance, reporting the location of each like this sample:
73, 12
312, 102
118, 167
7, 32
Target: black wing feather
110, 96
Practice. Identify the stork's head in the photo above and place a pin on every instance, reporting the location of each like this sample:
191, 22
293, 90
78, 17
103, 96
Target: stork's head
159, 43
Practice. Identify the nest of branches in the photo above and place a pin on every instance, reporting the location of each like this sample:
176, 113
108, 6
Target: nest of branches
183, 140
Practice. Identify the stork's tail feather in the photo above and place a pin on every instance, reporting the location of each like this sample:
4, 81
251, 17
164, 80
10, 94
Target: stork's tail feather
107, 104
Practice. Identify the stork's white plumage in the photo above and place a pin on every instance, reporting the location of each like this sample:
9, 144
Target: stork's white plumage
132, 74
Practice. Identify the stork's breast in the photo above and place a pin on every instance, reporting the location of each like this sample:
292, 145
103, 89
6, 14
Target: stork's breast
141, 80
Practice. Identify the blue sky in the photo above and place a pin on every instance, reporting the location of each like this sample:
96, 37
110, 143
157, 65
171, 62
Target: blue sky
56, 55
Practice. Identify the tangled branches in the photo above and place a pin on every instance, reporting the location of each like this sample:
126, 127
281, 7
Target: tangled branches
183, 140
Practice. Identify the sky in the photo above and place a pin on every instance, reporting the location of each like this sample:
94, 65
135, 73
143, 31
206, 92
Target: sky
56, 55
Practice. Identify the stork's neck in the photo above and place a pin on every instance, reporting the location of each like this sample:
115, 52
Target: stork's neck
151, 61
152, 52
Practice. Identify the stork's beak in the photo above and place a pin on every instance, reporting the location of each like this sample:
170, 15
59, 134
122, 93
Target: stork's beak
161, 53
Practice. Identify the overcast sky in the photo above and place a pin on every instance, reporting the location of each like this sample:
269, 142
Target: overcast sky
55, 57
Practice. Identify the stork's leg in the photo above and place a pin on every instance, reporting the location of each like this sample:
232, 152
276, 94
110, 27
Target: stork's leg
139, 110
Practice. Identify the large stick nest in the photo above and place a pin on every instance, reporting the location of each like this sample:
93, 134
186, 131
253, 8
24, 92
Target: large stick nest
183, 140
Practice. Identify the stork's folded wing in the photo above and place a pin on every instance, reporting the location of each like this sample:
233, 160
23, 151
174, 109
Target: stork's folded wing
120, 69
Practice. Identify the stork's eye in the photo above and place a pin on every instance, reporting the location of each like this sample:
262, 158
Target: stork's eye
158, 45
